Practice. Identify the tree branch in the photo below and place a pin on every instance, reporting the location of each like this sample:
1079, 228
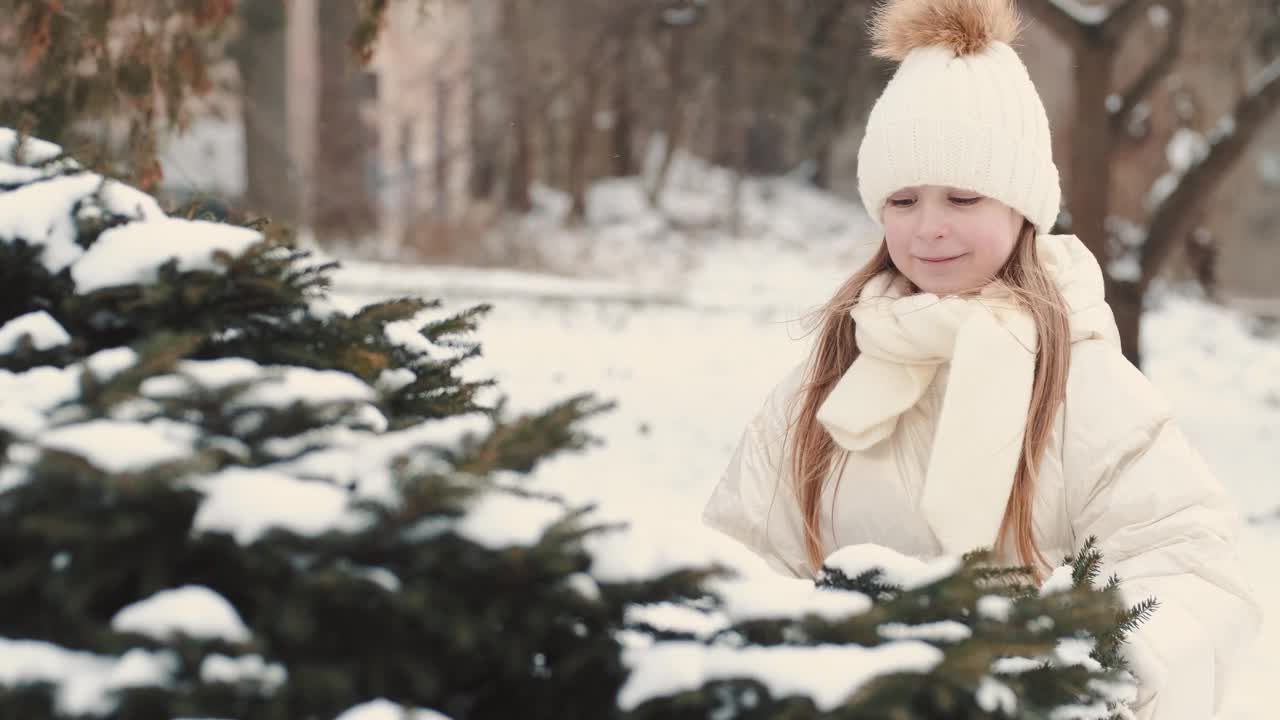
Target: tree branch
1179, 212
1158, 69
1060, 23
1122, 17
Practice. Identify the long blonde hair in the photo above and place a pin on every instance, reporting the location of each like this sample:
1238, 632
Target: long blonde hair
836, 348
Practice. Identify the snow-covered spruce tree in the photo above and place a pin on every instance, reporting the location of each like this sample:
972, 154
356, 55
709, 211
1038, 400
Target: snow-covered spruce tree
884, 636
223, 495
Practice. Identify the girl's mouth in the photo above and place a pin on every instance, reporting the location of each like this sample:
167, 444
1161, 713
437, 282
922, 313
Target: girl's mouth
941, 259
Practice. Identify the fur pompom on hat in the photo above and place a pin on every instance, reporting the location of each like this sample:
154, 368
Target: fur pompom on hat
960, 111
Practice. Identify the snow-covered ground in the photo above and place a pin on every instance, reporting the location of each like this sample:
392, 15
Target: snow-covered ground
688, 330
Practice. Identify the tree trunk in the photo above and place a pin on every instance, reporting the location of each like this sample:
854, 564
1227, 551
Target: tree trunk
675, 113
442, 151
734, 127
583, 122
763, 150
484, 139
260, 56
624, 159
822, 165
409, 211
521, 172
517, 79
1088, 191
1127, 302
344, 207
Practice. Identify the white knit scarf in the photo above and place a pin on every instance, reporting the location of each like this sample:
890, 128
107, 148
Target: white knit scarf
990, 344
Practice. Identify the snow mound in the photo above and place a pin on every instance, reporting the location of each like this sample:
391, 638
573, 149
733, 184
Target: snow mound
194, 611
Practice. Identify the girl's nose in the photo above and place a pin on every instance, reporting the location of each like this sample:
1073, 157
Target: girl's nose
932, 222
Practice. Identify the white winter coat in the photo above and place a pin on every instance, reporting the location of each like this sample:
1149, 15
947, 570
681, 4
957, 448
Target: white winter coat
1117, 467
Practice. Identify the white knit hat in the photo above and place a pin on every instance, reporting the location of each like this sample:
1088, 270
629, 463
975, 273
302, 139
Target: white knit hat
960, 111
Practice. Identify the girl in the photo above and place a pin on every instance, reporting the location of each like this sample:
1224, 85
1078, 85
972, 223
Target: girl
967, 387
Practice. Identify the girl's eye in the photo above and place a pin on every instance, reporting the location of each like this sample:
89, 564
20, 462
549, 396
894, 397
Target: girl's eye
965, 200
900, 202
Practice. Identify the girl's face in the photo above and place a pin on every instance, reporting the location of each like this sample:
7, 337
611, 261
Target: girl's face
947, 240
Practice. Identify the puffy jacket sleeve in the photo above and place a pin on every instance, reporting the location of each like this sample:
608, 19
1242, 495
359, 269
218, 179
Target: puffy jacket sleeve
754, 502
1168, 529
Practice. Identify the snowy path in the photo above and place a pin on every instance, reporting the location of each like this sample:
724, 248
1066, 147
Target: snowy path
687, 378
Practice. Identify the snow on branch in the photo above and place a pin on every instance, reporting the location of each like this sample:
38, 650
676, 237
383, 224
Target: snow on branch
1269, 75
1172, 21
1084, 13
1182, 201
828, 674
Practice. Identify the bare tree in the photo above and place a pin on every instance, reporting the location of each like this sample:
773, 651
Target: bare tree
833, 77
343, 208
484, 98
622, 105
259, 52
720, 80
583, 124
519, 78
1095, 34
674, 25
602, 25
